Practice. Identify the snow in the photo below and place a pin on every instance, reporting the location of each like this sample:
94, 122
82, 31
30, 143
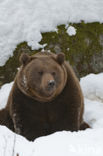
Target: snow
25, 20
83, 143
92, 86
4, 93
71, 31
64, 143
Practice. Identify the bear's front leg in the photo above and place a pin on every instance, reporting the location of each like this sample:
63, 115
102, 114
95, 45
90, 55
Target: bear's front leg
17, 123
23, 127
74, 118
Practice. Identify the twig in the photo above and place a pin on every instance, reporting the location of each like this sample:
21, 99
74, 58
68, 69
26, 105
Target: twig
13, 152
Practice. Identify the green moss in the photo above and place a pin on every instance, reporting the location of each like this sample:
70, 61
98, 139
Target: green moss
84, 51
8, 71
83, 47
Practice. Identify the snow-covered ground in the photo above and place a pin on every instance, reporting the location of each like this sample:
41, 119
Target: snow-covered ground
82, 143
24, 20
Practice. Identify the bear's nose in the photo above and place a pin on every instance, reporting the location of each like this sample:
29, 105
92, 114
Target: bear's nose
51, 83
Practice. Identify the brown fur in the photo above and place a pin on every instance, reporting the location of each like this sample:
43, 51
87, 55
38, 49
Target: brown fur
36, 109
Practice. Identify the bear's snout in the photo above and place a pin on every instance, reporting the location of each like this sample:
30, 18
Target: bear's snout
51, 84
48, 84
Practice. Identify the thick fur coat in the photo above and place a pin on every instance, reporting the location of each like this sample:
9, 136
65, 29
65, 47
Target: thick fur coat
46, 97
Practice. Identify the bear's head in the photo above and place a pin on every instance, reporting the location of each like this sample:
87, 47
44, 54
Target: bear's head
42, 76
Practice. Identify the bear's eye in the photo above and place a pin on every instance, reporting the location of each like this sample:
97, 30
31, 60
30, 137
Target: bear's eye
40, 72
53, 73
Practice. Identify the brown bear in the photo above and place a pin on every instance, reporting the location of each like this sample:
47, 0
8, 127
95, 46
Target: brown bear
45, 98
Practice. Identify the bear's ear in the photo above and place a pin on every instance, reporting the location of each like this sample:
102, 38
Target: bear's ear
24, 58
60, 58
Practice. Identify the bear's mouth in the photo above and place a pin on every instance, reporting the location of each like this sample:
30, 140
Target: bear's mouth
47, 92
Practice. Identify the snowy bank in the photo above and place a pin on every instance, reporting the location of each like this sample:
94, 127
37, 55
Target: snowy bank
81, 143
24, 20
92, 86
